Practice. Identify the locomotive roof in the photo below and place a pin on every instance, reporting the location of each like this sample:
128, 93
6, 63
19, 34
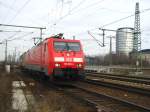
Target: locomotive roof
60, 39
52, 39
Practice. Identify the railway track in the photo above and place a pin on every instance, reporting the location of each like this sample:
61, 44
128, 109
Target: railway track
102, 101
85, 92
127, 78
46, 87
28, 92
98, 97
129, 88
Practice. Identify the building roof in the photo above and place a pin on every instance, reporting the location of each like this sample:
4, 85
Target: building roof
147, 51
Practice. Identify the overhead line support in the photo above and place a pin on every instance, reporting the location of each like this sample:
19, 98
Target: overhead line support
22, 26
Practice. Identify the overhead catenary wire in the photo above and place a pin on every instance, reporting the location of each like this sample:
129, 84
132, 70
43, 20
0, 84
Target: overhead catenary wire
22, 26
19, 11
20, 37
91, 5
145, 10
7, 6
12, 35
77, 6
71, 11
116, 21
98, 42
10, 38
7, 13
113, 22
74, 8
10, 31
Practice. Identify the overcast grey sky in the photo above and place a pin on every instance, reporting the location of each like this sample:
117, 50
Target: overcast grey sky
71, 17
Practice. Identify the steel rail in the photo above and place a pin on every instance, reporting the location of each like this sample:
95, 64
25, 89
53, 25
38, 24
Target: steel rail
121, 75
142, 91
92, 102
125, 102
121, 78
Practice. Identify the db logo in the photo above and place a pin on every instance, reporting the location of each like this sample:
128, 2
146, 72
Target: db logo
69, 59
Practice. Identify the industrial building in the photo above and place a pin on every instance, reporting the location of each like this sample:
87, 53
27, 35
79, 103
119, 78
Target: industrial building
145, 55
124, 40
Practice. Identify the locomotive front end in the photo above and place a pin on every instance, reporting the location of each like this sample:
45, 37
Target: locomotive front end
68, 59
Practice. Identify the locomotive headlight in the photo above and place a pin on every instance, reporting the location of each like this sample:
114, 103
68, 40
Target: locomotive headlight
79, 65
59, 59
57, 65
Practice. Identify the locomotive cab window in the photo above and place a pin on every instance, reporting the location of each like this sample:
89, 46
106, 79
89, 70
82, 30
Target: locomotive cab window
68, 46
60, 46
74, 46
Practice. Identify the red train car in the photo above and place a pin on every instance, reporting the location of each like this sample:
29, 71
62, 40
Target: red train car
56, 57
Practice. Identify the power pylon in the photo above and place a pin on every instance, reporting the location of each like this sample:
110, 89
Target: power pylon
137, 38
137, 32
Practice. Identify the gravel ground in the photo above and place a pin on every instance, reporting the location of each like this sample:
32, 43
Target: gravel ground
115, 81
133, 97
32, 96
5, 92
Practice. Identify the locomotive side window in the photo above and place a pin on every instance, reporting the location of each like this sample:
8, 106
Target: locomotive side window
69, 46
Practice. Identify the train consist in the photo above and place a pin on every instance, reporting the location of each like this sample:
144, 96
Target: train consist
55, 57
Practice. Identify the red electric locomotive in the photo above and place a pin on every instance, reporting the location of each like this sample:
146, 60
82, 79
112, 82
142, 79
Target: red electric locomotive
56, 57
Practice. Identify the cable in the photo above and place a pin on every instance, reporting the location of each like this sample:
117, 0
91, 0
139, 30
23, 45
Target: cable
98, 42
7, 6
68, 14
145, 10
62, 7
63, 17
19, 11
10, 36
112, 10
9, 31
7, 13
116, 21
96, 3
18, 38
77, 6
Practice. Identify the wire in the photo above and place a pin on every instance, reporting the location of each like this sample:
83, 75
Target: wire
91, 5
112, 10
18, 38
19, 11
77, 6
116, 21
10, 37
7, 6
98, 42
9, 31
71, 12
62, 7
7, 13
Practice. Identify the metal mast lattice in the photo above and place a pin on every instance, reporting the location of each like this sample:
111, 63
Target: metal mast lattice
137, 38
137, 32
